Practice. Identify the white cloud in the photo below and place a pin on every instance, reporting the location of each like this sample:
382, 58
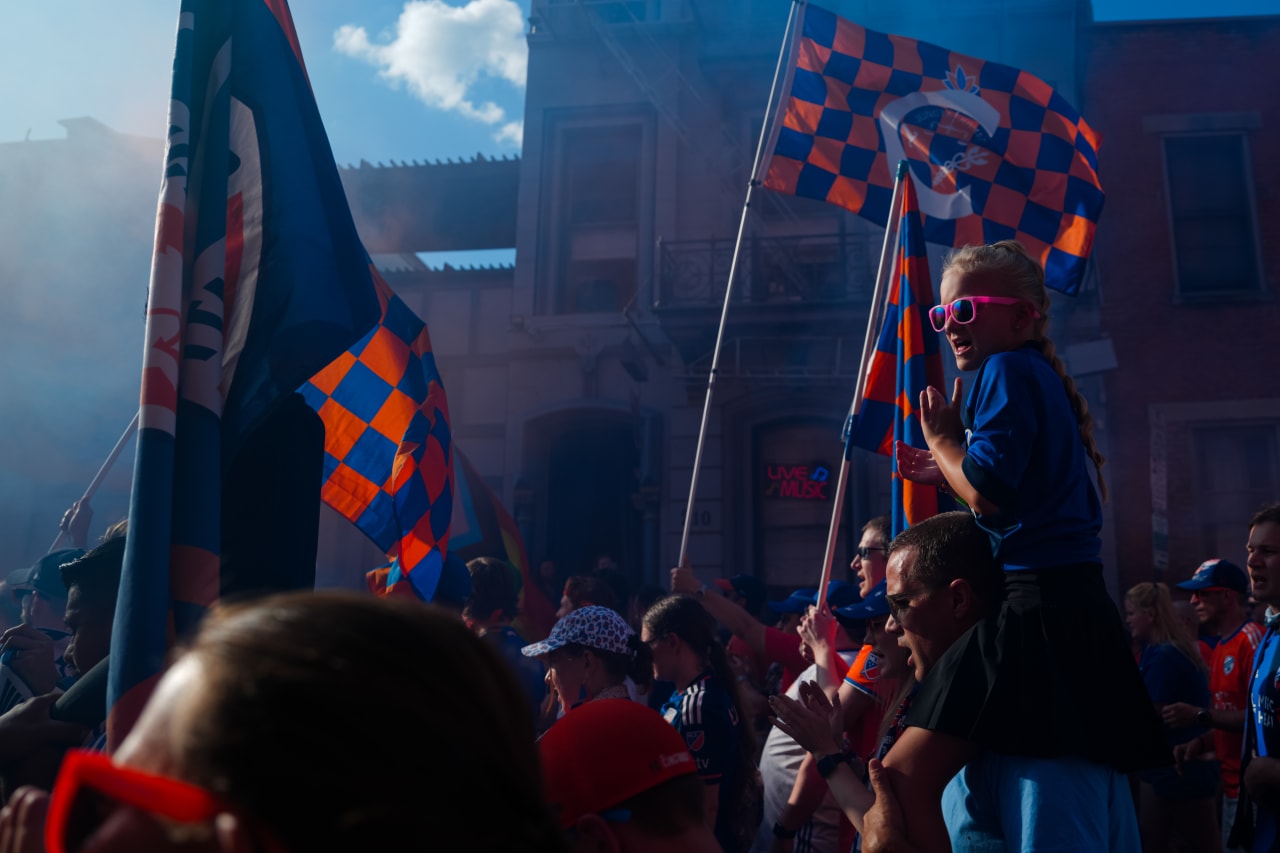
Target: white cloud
512, 131
440, 52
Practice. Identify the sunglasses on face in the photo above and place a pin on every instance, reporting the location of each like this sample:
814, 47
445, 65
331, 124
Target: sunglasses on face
965, 309
864, 552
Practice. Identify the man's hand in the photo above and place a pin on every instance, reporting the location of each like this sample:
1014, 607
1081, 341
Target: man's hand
684, 580
1179, 715
22, 821
814, 723
75, 523
32, 657
1192, 750
884, 830
818, 629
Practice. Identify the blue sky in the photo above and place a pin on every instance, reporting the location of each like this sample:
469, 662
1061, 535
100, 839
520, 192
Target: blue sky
396, 80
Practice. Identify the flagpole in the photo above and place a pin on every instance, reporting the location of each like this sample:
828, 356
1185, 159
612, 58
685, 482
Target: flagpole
102, 471
875, 319
767, 130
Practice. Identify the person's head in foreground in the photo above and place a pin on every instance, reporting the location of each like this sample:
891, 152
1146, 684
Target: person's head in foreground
316, 721
941, 580
619, 778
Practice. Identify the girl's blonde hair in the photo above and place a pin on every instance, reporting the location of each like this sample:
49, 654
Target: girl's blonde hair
1166, 627
1009, 261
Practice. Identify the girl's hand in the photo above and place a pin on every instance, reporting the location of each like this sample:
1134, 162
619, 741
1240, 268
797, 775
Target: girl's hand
917, 465
939, 419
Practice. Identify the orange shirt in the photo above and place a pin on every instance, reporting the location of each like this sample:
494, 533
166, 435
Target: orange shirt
1229, 672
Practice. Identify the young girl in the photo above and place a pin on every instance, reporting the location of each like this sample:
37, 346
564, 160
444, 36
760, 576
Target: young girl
1050, 673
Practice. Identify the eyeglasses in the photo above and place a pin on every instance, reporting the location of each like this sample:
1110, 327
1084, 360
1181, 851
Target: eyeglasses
90, 788
901, 603
965, 309
864, 552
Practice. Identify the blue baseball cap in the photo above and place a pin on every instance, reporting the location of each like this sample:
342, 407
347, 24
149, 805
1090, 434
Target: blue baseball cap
797, 602
874, 606
840, 594
1217, 573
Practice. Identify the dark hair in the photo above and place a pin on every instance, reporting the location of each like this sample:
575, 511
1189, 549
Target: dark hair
589, 589
855, 628
668, 808
493, 589
292, 671
881, 525
949, 547
616, 580
686, 618
1267, 515
97, 574
636, 665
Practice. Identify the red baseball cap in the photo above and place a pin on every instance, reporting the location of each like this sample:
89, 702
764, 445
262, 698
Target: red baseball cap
605, 752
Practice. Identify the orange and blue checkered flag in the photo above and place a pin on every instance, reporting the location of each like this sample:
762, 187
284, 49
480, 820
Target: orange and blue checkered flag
906, 361
995, 152
388, 463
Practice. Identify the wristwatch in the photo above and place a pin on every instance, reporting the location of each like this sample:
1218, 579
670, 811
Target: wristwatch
827, 764
1204, 718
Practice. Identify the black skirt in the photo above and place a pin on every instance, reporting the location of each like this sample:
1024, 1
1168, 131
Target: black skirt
1048, 674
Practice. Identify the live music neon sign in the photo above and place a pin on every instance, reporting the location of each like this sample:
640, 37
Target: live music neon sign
797, 482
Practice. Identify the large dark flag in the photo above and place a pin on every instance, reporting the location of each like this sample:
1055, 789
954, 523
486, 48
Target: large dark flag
906, 361
996, 153
258, 280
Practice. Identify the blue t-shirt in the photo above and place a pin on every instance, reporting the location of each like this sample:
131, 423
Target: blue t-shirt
528, 671
1001, 803
1264, 695
1169, 678
1025, 456
705, 715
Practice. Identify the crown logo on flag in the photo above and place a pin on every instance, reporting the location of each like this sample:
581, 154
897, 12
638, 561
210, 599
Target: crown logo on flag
961, 82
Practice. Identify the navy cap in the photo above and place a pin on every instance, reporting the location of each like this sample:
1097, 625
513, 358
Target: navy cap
874, 606
44, 577
1220, 573
747, 586
840, 594
797, 602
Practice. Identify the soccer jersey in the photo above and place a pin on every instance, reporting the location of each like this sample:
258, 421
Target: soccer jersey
705, 715
1261, 729
1229, 670
1024, 454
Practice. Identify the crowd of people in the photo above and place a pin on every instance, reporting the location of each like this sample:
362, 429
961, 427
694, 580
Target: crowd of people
969, 685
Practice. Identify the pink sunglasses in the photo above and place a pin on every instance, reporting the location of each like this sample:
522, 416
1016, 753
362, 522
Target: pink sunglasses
965, 309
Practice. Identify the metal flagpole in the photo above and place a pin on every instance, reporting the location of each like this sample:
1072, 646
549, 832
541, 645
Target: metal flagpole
767, 131
875, 319
102, 471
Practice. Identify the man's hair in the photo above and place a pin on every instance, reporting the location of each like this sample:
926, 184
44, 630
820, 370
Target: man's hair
97, 574
881, 526
1267, 515
493, 589
668, 808
589, 589
949, 547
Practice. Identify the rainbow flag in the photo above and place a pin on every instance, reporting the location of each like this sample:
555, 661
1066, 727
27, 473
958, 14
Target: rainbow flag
258, 280
906, 361
996, 153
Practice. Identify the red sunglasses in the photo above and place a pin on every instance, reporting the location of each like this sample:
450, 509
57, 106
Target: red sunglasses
90, 787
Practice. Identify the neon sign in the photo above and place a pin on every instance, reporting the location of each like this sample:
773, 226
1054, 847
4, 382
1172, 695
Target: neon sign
797, 482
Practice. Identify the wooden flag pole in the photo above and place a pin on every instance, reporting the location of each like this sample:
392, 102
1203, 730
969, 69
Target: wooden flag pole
767, 131
875, 319
102, 471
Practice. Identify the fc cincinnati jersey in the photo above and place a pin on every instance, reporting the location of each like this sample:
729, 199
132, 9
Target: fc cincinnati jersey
1230, 666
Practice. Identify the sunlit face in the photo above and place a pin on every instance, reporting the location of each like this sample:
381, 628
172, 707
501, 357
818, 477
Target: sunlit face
1264, 563
995, 328
924, 624
869, 570
1139, 621
893, 657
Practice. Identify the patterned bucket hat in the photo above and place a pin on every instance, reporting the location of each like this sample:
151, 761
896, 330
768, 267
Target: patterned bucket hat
592, 626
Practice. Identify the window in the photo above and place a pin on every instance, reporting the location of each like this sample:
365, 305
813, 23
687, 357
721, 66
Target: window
596, 217
1211, 214
1237, 470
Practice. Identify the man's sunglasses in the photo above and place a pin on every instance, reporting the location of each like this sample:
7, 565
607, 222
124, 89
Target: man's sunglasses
864, 552
965, 309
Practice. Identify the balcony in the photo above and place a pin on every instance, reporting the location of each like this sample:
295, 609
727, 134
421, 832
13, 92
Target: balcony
773, 272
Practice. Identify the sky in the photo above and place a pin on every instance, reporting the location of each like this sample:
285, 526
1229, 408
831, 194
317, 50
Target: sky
395, 80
